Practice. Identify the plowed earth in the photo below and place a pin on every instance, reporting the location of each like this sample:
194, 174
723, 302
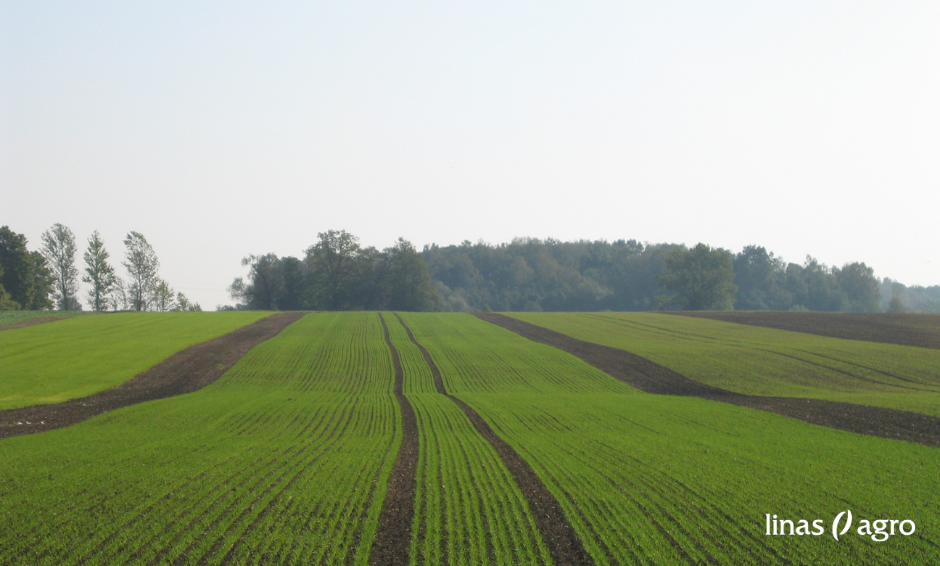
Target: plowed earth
184, 372
922, 330
394, 532
653, 378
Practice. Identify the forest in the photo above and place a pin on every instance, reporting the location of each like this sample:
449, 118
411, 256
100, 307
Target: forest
529, 274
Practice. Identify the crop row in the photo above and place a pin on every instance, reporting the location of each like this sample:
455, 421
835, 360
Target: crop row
765, 361
653, 479
285, 459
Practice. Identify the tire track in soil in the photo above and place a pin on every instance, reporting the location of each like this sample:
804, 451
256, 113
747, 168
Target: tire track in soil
753, 346
186, 371
563, 543
921, 330
647, 376
32, 322
393, 536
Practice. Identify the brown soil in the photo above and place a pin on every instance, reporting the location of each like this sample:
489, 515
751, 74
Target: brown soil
921, 330
652, 378
394, 532
32, 322
560, 537
184, 372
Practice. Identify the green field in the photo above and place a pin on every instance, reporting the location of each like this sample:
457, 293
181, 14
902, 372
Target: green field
658, 479
66, 359
287, 457
480, 517
282, 460
765, 361
12, 317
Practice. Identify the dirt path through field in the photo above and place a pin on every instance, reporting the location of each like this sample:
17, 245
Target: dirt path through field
653, 378
560, 537
184, 372
393, 537
32, 322
922, 330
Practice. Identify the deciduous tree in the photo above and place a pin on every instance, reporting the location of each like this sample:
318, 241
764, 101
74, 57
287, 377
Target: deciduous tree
142, 266
163, 298
98, 273
58, 247
701, 278
17, 274
332, 268
409, 282
860, 286
759, 276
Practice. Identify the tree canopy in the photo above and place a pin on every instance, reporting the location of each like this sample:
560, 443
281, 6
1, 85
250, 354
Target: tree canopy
58, 247
338, 274
699, 279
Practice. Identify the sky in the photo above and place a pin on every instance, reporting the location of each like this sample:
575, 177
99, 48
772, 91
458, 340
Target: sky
223, 129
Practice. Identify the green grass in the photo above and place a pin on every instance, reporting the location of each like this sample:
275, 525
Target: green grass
284, 460
12, 317
664, 480
50, 363
469, 510
765, 361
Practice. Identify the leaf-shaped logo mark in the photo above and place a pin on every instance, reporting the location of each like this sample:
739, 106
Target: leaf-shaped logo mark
835, 524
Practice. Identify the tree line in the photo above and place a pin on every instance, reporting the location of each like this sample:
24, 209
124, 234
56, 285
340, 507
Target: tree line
529, 274
48, 278
337, 273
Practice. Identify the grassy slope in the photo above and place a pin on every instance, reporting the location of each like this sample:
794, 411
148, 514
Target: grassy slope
12, 317
765, 361
657, 479
283, 460
49, 363
468, 508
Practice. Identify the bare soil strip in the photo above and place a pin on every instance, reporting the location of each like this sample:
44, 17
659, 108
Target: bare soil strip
32, 322
184, 372
393, 537
653, 378
560, 537
922, 330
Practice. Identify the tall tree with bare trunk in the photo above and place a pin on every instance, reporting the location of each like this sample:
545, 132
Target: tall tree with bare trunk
58, 247
142, 265
98, 273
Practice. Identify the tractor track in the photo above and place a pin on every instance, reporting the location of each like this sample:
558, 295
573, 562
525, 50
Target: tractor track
653, 378
393, 537
186, 371
563, 543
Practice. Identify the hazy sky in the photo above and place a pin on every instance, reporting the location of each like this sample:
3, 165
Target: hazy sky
223, 129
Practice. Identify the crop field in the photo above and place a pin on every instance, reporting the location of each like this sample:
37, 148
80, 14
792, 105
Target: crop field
11, 318
652, 479
283, 460
765, 361
74, 357
313, 447
467, 508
